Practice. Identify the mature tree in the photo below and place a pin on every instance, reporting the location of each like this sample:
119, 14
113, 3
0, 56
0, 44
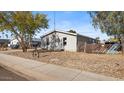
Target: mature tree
21, 24
34, 24
72, 31
110, 22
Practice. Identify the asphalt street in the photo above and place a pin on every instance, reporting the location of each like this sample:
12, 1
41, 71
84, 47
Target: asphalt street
6, 75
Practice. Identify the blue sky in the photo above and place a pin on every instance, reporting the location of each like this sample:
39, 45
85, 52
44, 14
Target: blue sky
80, 21
76, 20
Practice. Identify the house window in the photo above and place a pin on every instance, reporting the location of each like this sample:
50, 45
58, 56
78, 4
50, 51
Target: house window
64, 41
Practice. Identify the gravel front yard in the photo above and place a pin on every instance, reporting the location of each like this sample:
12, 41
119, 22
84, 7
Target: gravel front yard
110, 65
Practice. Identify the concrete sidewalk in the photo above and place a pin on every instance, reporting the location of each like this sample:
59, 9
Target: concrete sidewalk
34, 70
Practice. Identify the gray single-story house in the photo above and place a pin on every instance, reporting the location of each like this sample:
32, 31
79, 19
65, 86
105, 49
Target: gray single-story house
67, 41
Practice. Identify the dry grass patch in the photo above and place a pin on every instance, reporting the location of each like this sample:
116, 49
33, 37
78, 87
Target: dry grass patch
111, 65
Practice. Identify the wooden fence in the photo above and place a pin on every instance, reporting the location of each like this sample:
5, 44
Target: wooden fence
94, 48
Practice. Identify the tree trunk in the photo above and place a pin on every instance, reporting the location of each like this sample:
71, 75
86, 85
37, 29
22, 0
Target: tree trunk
22, 43
30, 41
24, 47
122, 43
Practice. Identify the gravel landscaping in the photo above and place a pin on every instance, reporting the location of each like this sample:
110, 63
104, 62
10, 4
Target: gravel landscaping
110, 65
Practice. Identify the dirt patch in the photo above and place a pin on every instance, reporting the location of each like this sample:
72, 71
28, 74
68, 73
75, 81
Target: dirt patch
110, 65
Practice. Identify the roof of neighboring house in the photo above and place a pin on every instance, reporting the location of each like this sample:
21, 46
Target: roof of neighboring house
36, 39
33, 39
69, 33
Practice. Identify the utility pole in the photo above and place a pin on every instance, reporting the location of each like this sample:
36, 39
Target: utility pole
54, 21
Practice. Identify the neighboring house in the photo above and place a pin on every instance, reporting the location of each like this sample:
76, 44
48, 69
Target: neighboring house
35, 42
4, 41
14, 43
67, 41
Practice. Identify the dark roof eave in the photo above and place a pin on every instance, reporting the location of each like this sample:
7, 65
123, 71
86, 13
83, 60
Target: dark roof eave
86, 36
58, 32
65, 33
